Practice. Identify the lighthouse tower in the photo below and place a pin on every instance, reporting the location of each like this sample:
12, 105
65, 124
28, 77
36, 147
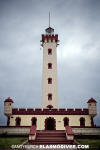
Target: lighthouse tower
49, 79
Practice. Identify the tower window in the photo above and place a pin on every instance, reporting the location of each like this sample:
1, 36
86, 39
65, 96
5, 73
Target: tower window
49, 80
49, 51
49, 65
49, 96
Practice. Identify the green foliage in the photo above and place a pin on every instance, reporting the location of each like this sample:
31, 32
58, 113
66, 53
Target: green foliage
6, 142
94, 144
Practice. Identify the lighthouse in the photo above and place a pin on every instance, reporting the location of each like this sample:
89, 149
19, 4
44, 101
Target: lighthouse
49, 76
49, 117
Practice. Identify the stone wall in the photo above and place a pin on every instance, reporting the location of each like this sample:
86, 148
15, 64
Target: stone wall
26, 130
14, 130
86, 131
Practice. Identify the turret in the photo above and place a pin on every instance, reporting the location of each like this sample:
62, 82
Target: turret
8, 105
92, 107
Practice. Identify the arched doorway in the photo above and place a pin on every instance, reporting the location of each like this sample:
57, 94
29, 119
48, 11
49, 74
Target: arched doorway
50, 124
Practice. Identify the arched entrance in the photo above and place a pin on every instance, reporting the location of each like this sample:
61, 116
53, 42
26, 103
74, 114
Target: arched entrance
50, 124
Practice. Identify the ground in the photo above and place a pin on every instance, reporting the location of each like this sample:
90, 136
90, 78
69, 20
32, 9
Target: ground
94, 143
6, 142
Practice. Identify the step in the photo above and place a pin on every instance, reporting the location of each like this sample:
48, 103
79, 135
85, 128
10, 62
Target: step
42, 135
51, 139
45, 134
51, 132
51, 135
49, 142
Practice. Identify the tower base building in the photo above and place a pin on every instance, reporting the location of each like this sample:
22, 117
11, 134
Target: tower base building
50, 119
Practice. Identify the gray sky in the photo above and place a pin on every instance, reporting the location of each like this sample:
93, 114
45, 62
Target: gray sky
77, 23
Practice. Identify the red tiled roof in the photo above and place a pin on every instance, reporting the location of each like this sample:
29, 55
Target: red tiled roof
8, 100
16, 111
92, 100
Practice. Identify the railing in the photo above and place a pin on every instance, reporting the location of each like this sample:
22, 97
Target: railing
69, 133
32, 135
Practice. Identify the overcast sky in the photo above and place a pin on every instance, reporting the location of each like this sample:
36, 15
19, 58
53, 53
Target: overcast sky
77, 23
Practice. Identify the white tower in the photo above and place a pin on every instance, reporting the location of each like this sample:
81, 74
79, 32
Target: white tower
49, 81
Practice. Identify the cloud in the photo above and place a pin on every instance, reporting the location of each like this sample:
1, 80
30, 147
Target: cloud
77, 24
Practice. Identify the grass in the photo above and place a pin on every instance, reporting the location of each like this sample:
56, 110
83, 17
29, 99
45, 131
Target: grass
6, 142
94, 144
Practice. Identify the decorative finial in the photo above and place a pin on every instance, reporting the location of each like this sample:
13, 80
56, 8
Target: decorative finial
49, 19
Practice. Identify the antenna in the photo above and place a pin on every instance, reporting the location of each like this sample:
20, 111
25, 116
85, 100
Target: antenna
49, 19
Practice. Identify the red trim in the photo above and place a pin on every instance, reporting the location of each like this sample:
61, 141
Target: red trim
49, 106
69, 130
21, 111
8, 100
33, 130
92, 100
50, 37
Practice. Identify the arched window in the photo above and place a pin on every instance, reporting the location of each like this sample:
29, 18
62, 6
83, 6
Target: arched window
82, 122
49, 51
66, 121
18, 121
34, 120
